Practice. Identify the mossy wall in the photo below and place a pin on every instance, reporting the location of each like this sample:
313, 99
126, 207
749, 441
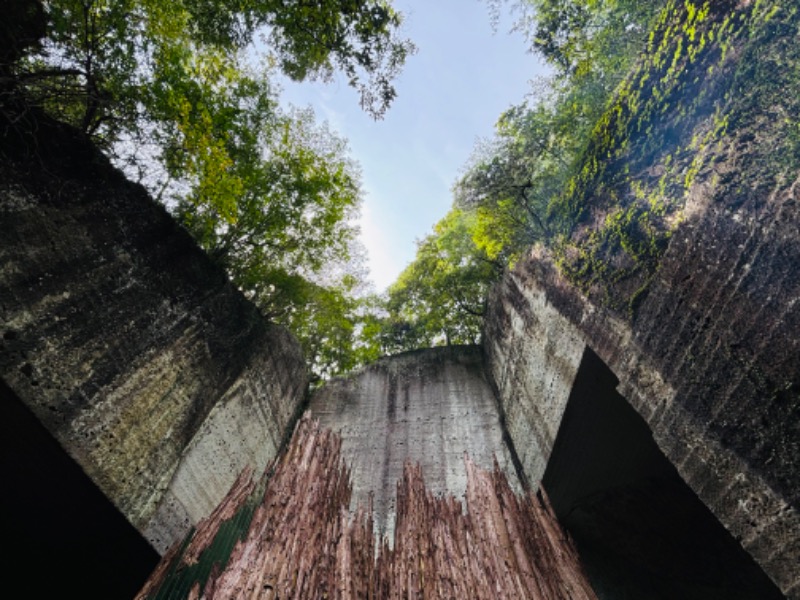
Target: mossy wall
132, 349
682, 272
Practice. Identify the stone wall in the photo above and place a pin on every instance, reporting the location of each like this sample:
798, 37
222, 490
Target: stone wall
430, 406
133, 350
707, 416
692, 302
709, 359
533, 355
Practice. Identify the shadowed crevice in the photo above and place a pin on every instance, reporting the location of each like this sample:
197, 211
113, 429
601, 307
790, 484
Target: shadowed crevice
641, 531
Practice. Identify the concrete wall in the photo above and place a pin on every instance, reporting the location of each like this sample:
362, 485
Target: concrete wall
693, 304
710, 362
533, 355
132, 349
535, 320
429, 406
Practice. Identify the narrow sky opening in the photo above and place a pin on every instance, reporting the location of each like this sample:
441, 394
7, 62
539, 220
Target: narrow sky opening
450, 94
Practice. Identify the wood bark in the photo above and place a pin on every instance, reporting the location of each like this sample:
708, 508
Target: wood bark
303, 542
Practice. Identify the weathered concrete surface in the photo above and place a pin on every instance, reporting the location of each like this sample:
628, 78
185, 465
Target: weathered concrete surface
533, 354
704, 332
709, 354
134, 351
246, 427
685, 409
710, 363
429, 406
641, 532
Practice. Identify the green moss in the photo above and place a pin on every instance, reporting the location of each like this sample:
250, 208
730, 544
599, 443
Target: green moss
672, 119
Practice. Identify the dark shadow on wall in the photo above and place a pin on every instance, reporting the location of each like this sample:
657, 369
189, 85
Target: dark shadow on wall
641, 531
62, 537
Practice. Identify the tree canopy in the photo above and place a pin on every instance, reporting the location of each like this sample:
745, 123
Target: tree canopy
179, 93
507, 198
440, 298
175, 92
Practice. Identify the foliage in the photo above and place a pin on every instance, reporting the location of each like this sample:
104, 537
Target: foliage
172, 76
514, 182
356, 37
509, 196
660, 104
102, 58
292, 246
170, 90
336, 324
598, 168
440, 297
296, 194
510, 182
580, 37
672, 118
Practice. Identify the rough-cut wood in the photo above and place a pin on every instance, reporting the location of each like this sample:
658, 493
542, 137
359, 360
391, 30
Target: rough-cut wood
227, 509
303, 542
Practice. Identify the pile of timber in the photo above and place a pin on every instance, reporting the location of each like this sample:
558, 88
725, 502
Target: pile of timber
303, 542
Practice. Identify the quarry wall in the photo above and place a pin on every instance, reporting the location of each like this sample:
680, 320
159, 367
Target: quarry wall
681, 274
163, 382
704, 334
135, 352
431, 407
525, 320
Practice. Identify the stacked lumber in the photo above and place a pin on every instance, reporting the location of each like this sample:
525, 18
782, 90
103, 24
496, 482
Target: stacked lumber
303, 542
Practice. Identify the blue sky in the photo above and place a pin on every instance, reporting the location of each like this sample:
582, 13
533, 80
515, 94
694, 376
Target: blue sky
450, 94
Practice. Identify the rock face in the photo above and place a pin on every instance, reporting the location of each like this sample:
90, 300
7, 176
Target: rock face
705, 341
431, 407
711, 417
134, 351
